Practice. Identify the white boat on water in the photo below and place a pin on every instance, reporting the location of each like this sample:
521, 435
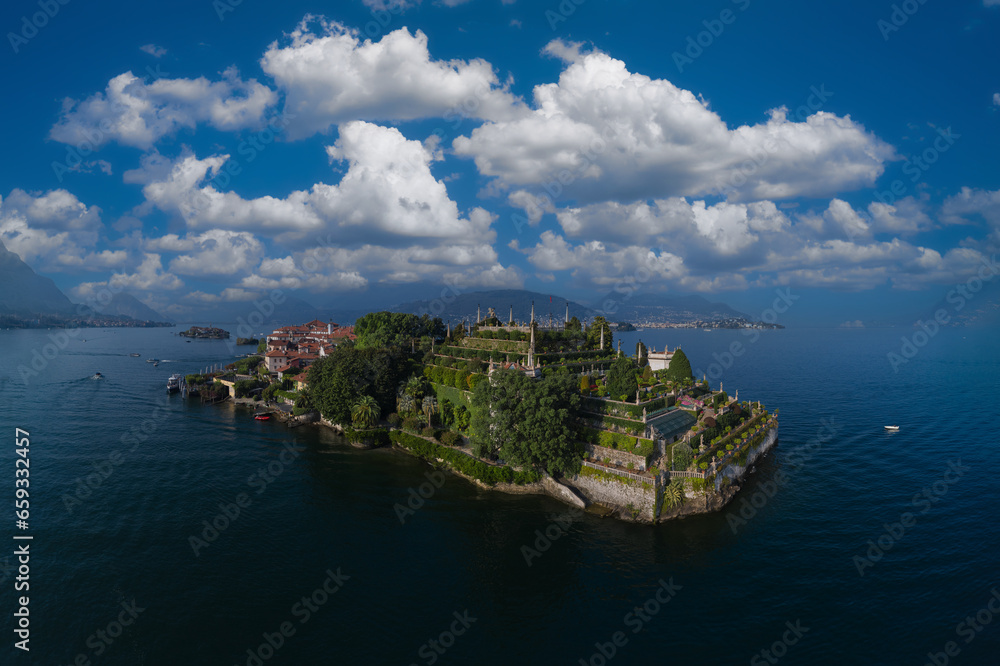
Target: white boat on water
892, 428
174, 383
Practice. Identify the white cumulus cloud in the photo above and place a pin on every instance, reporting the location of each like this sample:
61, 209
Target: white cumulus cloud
133, 112
330, 77
605, 133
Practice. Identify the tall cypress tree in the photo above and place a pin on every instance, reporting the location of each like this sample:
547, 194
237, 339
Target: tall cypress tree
680, 367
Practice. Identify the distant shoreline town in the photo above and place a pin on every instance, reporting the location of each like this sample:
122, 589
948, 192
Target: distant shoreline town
700, 323
94, 321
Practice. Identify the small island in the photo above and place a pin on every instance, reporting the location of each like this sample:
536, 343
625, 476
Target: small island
205, 333
247, 341
517, 407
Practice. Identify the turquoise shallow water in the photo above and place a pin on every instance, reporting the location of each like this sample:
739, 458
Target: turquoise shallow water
323, 506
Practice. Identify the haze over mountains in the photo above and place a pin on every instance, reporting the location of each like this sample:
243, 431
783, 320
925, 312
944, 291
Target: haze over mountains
26, 294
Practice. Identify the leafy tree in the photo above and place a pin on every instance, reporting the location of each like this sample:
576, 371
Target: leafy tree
585, 384
682, 456
594, 334
395, 329
462, 417
621, 378
680, 367
244, 387
365, 412
339, 379
262, 347
270, 392
574, 325
642, 353
527, 422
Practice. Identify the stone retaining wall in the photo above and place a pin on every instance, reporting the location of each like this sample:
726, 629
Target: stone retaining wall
617, 457
620, 492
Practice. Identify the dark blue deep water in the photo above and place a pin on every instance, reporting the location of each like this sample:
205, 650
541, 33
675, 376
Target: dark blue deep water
324, 507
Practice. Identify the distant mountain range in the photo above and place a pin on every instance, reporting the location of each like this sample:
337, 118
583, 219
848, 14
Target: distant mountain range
127, 305
25, 293
643, 308
28, 296
454, 308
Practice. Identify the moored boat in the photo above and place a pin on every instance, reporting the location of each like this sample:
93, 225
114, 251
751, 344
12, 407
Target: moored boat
892, 428
173, 383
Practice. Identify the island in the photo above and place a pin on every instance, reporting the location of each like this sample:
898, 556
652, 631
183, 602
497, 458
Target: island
518, 407
247, 341
206, 333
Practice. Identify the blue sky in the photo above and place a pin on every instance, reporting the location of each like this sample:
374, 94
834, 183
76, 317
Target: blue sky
212, 151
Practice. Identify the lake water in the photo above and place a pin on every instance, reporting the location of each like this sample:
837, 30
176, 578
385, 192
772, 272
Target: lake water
115, 578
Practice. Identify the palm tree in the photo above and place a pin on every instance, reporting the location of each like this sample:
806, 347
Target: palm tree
414, 386
673, 495
365, 412
429, 406
407, 403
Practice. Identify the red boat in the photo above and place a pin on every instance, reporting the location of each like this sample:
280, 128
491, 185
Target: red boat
263, 417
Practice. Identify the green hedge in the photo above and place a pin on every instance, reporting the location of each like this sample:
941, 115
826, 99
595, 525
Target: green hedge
637, 428
379, 436
477, 469
623, 409
452, 394
618, 441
